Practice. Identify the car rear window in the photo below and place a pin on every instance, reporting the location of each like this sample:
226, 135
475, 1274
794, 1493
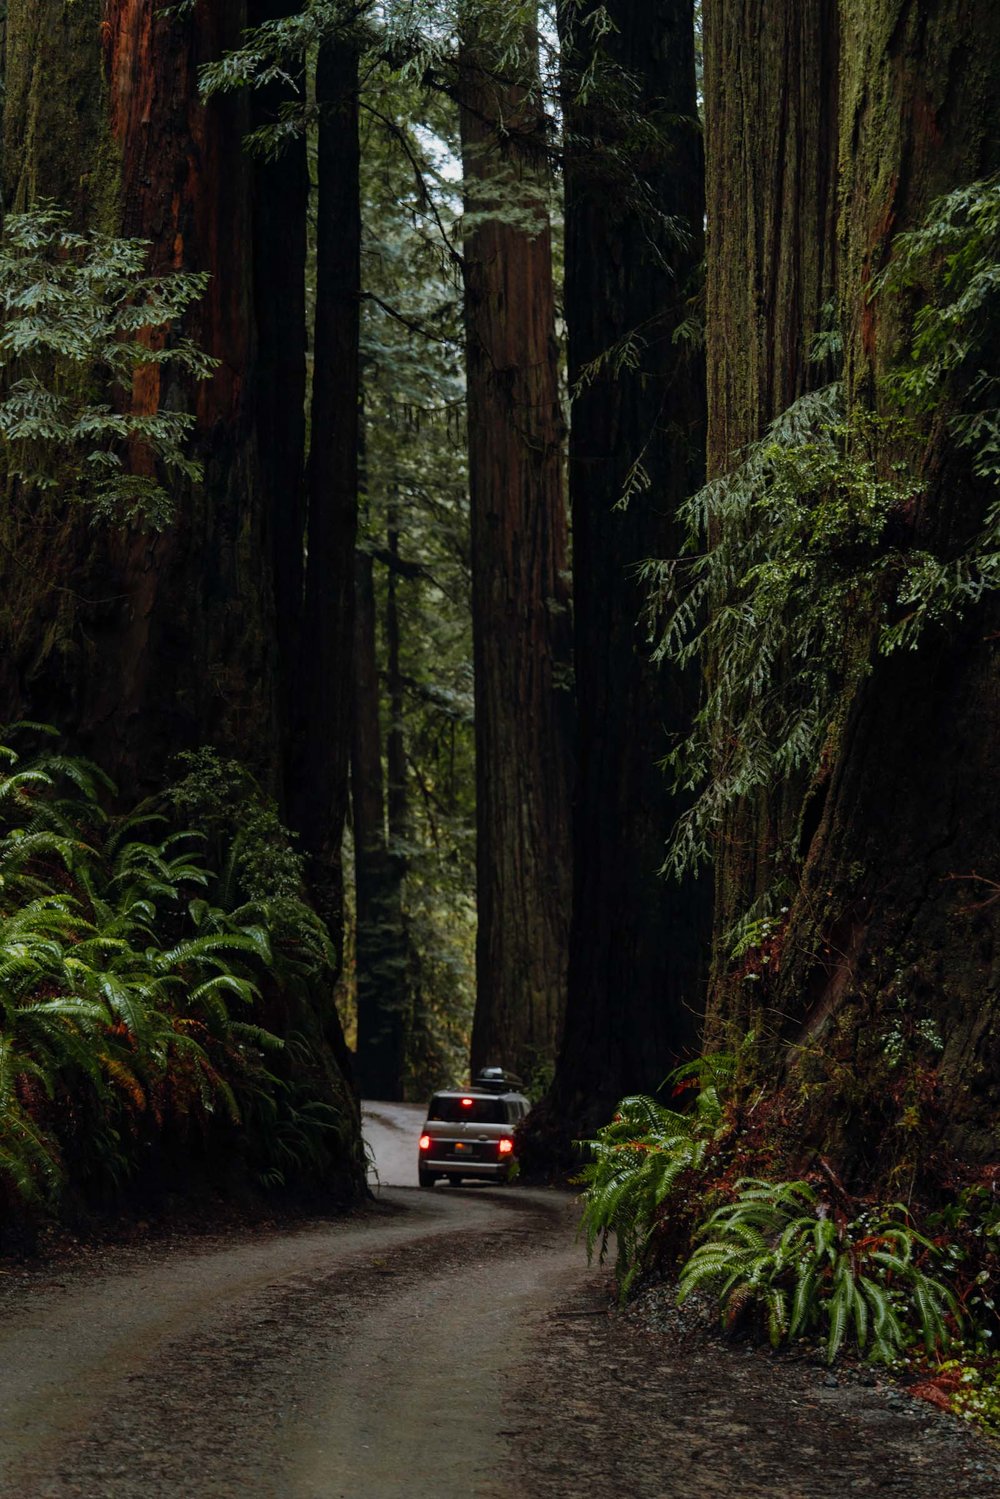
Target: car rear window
479, 1111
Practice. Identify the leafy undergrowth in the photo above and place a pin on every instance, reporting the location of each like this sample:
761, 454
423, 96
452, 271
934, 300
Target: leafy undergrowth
704, 1193
156, 986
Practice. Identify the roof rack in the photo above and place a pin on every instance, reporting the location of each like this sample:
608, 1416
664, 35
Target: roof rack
496, 1080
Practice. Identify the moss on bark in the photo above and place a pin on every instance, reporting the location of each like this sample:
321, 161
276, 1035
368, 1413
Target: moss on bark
56, 134
771, 136
889, 990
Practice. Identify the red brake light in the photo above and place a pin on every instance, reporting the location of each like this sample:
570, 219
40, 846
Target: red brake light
425, 1142
466, 1103
506, 1146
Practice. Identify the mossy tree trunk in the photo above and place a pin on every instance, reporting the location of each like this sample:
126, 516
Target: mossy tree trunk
771, 70
519, 557
634, 211
890, 937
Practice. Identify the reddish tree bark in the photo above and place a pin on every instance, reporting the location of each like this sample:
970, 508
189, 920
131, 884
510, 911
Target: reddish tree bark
141, 644
520, 619
136, 644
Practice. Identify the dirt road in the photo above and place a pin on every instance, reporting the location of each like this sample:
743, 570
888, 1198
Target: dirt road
444, 1343
365, 1357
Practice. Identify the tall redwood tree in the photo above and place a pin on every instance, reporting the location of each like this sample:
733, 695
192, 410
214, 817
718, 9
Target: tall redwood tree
137, 643
771, 73
318, 790
890, 929
634, 210
519, 560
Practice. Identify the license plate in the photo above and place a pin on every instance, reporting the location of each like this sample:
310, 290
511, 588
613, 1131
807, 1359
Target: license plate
459, 1147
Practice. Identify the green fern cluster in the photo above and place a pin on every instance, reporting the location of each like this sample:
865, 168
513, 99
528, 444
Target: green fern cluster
777, 1247
637, 1160
130, 971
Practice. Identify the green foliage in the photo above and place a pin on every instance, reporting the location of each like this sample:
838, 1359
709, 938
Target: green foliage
81, 318
968, 1228
414, 502
636, 1162
673, 1188
788, 559
778, 1247
129, 972
806, 561
950, 266
415, 524
977, 1398
250, 844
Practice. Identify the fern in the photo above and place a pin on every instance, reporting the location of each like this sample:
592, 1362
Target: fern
126, 996
637, 1160
858, 1280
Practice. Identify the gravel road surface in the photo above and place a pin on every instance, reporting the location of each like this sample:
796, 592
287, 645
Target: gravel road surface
443, 1343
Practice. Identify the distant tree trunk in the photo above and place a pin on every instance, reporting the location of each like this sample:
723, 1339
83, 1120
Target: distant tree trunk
141, 644
881, 935
399, 813
281, 199
520, 619
320, 781
381, 938
771, 177
634, 210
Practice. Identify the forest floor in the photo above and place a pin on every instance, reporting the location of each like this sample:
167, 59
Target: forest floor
441, 1344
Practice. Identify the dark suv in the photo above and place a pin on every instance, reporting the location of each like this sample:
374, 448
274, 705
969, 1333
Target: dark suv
469, 1133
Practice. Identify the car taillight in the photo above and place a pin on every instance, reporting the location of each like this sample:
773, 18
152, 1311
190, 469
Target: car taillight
466, 1103
506, 1146
425, 1142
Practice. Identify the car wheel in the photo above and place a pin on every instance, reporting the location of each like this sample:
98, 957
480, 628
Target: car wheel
426, 1178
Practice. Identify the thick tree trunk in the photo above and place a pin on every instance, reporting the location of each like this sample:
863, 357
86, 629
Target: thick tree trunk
281, 202
141, 644
320, 782
381, 939
520, 619
771, 146
639, 942
884, 941
56, 139
771, 154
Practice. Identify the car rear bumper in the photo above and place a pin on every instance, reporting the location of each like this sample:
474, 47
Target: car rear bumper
487, 1170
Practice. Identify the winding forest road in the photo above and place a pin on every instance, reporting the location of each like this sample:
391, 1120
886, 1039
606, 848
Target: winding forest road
442, 1344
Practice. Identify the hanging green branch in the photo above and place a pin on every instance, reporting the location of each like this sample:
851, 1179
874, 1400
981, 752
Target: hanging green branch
81, 317
807, 561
